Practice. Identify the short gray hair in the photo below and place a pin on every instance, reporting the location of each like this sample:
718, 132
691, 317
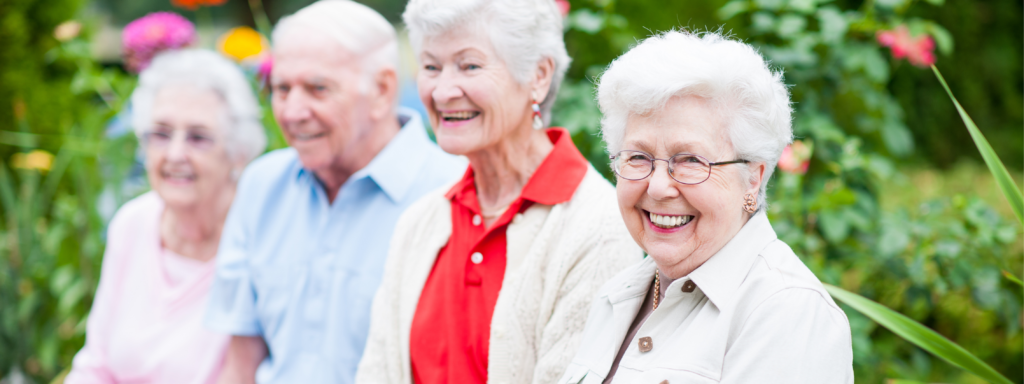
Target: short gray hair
523, 32
750, 97
209, 71
355, 27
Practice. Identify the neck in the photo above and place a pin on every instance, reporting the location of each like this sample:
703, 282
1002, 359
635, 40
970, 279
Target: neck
194, 231
502, 170
360, 152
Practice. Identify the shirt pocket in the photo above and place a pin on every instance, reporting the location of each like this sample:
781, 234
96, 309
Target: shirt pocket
673, 376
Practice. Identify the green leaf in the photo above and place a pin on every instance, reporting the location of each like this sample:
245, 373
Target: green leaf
1011, 277
918, 334
1002, 176
586, 20
731, 9
943, 39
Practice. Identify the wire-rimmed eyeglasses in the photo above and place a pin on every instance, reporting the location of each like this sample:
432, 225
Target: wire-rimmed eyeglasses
685, 168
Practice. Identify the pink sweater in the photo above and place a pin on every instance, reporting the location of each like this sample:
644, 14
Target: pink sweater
146, 321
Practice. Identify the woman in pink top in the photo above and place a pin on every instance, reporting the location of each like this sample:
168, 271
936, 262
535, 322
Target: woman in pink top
198, 122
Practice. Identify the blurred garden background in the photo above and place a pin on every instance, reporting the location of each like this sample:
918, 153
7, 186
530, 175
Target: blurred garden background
885, 193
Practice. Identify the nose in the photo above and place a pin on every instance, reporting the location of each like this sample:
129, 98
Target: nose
293, 108
661, 186
176, 150
446, 88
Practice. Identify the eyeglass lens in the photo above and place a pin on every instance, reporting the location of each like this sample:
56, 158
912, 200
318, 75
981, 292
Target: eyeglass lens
686, 168
162, 138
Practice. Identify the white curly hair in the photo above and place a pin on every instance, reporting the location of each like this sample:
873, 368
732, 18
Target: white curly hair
746, 93
204, 69
523, 33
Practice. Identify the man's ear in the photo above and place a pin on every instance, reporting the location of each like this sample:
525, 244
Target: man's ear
383, 93
542, 78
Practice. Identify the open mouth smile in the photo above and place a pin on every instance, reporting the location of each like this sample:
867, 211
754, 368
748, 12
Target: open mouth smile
458, 116
668, 221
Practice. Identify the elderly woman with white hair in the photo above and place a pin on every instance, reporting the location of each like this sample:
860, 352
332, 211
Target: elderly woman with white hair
198, 122
490, 279
696, 124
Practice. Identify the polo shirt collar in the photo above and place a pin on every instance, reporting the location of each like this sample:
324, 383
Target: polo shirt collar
722, 274
557, 177
397, 165
554, 181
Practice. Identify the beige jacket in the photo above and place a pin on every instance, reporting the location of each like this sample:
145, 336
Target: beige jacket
558, 257
753, 313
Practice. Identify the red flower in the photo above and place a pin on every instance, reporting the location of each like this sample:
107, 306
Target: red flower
193, 4
919, 51
263, 71
796, 158
563, 7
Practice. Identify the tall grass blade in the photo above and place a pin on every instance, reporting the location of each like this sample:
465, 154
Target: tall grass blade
1003, 179
918, 334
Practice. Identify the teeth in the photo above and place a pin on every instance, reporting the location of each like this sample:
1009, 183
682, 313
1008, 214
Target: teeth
460, 115
669, 221
307, 136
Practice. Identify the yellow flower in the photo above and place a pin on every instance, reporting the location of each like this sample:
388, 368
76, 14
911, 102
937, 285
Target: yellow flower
241, 43
67, 30
39, 160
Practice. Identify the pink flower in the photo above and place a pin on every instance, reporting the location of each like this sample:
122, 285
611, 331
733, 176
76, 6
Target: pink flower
796, 158
563, 7
919, 51
143, 38
263, 71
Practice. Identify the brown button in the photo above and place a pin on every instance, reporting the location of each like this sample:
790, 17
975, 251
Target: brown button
689, 286
646, 344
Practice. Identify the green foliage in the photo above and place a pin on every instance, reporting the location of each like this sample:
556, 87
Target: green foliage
938, 261
1006, 183
918, 334
53, 100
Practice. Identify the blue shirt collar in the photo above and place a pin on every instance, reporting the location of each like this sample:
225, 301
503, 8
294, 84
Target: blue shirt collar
396, 167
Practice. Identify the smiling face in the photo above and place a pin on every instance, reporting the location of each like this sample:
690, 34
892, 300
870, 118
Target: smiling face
186, 158
316, 99
690, 222
471, 97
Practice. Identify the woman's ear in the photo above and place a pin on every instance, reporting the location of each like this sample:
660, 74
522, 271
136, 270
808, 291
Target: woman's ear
756, 178
543, 76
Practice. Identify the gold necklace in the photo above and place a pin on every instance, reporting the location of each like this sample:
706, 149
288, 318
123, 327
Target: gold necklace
495, 213
657, 287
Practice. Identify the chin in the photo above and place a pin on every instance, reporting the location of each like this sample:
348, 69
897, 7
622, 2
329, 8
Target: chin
314, 161
454, 144
174, 197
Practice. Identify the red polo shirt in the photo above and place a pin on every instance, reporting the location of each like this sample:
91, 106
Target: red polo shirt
451, 329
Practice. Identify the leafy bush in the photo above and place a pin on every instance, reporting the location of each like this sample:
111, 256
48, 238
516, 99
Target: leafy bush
55, 100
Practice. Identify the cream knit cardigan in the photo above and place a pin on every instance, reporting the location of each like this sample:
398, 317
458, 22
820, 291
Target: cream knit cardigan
558, 257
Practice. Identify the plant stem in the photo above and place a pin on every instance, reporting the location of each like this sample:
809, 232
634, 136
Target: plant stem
205, 22
260, 17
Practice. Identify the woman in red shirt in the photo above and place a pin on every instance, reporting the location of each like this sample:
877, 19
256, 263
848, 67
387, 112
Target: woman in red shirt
490, 280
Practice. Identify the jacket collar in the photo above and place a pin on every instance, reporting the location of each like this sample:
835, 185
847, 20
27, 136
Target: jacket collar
718, 278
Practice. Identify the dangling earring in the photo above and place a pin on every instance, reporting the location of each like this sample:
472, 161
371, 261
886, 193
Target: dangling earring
538, 122
749, 203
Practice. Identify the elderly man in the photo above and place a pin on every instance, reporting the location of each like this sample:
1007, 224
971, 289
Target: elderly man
304, 245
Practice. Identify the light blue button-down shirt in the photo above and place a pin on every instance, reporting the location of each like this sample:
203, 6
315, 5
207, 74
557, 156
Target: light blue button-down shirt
301, 272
